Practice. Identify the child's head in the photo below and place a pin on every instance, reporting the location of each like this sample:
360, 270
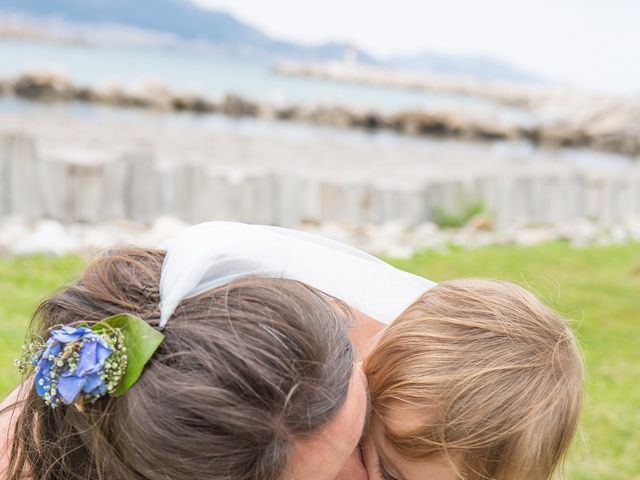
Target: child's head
479, 377
249, 375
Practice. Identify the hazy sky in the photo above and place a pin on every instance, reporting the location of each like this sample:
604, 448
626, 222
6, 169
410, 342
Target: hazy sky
591, 43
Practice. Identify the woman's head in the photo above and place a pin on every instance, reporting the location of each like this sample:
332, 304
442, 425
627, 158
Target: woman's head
247, 375
477, 379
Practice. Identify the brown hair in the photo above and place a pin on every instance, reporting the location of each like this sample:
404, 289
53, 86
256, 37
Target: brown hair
490, 373
244, 370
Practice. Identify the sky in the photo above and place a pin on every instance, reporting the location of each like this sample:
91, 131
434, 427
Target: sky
594, 44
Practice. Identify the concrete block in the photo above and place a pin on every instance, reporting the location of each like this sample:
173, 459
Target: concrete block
139, 186
25, 177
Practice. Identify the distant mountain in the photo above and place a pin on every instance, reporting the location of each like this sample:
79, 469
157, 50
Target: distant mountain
181, 18
189, 22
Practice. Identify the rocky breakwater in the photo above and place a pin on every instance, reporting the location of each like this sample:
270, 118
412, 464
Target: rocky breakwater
517, 95
607, 124
565, 117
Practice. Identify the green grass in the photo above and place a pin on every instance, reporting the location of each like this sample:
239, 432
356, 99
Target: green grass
449, 219
597, 287
24, 281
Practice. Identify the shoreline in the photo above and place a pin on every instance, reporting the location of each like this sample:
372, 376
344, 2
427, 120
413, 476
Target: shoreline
608, 125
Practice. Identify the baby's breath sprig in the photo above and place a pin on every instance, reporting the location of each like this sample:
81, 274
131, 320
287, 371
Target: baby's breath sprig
30, 355
116, 365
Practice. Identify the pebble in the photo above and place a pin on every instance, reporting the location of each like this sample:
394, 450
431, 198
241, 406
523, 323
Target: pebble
19, 236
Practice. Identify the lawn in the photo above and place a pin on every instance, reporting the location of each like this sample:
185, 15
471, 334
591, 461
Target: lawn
597, 287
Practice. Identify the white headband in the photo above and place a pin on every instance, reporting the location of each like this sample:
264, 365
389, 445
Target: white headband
213, 254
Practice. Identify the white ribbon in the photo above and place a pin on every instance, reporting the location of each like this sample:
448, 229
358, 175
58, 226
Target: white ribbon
212, 254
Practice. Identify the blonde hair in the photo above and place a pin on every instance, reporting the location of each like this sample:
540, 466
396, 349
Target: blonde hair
493, 375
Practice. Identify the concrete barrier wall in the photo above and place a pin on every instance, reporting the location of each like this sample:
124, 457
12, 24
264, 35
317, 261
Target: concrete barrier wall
91, 186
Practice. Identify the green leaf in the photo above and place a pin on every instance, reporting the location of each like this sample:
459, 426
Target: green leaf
141, 340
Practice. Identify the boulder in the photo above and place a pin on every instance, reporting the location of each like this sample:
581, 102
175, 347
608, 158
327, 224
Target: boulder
44, 86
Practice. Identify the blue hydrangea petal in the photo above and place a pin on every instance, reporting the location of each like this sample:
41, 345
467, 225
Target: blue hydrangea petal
68, 334
61, 337
87, 362
69, 387
42, 374
102, 353
52, 348
101, 341
43, 363
55, 350
93, 383
40, 389
73, 330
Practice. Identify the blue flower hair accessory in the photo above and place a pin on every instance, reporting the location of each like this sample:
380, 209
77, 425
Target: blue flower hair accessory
78, 365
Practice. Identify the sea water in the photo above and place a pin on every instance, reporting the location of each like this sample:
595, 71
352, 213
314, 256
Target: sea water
214, 75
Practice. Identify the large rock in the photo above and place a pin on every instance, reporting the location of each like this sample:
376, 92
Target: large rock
44, 86
237, 106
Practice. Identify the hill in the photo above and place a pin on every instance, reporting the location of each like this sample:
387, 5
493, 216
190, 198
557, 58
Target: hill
187, 21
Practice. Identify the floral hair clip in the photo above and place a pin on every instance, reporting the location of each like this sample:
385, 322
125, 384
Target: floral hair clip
78, 365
